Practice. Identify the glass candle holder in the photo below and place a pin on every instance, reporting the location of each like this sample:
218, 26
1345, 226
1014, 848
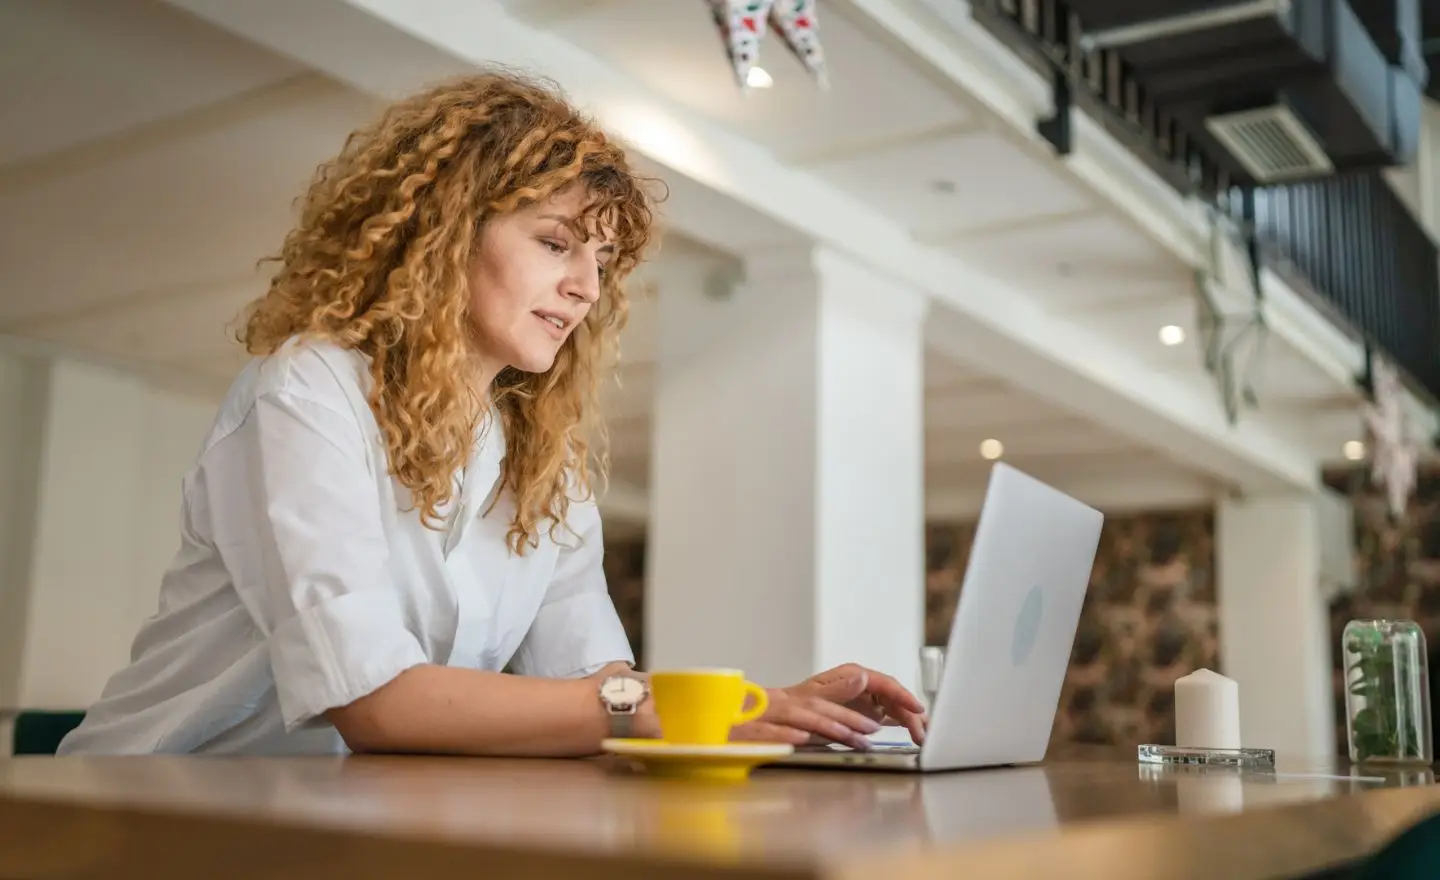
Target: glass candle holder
1387, 692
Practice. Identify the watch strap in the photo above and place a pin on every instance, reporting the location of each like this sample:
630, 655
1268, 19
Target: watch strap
622, 725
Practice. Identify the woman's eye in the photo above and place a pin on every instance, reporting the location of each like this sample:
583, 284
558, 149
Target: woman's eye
554, 246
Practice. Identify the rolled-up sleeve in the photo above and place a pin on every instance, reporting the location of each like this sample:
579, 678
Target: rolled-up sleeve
296, 517
576, 631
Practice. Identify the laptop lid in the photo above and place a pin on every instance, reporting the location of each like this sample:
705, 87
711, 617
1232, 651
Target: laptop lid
1014, 625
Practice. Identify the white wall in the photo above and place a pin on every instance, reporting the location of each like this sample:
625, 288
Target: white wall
99, 525
23, 382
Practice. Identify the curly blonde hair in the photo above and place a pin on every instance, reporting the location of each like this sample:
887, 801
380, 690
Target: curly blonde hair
377, 263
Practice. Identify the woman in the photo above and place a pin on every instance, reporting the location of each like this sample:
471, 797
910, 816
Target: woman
394, 503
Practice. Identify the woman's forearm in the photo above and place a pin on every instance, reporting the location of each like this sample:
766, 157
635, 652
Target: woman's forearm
442, 709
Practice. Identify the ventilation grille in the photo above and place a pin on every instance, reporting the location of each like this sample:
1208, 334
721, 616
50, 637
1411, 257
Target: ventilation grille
1271, 142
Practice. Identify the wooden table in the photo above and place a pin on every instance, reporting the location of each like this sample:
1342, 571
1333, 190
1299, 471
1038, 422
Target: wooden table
437, 818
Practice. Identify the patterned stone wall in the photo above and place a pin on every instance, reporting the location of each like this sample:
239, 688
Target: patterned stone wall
625, 574
1398, 570
1150, 616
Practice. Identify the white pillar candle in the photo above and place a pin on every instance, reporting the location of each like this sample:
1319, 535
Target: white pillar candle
1207, 711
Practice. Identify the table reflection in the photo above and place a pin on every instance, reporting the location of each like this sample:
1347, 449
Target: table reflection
780, 816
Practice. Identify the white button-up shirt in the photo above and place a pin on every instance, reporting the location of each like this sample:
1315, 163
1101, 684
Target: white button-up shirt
305, 579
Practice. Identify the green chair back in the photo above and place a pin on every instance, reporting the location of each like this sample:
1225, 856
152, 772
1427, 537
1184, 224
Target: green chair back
1412, 855
39, 732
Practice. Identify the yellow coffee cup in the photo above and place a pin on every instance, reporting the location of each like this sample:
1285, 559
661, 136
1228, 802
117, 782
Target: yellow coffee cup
697, 707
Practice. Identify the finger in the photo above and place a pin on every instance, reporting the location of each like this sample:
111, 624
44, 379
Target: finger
856, 721
892, 693
807, 718
904, 720
823, 728
867, 705
918, 727
894, 715
916, 723
765, 731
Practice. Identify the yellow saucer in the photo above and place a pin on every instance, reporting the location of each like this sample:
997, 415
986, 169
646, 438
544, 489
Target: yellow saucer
728, 763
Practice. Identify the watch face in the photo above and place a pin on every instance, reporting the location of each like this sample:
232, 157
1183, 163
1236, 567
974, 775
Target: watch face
621, 690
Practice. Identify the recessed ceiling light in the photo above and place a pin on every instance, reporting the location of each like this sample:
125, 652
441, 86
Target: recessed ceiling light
1354, 450
1172, 334
991, 448
759, 78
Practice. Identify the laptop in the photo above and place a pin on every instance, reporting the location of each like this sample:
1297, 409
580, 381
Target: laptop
1010, 642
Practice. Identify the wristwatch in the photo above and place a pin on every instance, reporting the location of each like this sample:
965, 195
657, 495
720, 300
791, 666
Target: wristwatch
621, 695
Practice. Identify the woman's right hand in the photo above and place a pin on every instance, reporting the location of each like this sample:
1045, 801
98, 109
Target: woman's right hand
815, 711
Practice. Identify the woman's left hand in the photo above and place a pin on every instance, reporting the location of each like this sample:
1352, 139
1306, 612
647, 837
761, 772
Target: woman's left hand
841, 705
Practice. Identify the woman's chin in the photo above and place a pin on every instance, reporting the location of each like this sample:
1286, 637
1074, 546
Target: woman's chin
535, 361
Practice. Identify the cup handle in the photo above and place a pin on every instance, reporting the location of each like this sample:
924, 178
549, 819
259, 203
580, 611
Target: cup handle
762, 702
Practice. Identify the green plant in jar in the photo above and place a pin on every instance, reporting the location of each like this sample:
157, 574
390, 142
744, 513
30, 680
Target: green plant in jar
1387, 691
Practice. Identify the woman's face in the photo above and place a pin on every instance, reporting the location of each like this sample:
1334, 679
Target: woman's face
532, 281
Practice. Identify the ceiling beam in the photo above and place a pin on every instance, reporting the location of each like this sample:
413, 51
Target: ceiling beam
551, 13
1112, 493
386, 47
883, 143
259, 101
974, 232
167, 376
233, 290
1115, 493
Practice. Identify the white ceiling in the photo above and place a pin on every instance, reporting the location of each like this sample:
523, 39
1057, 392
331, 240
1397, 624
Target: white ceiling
131, 230
911, 180
673, 47
78, 70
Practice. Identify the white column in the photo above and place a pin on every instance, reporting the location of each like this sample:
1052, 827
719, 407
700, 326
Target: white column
787, 524
1274, 625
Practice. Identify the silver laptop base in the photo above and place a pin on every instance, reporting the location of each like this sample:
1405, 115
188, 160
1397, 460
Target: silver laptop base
879, 758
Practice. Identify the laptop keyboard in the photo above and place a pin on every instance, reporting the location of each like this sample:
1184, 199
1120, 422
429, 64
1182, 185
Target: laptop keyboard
875, 748
895, 749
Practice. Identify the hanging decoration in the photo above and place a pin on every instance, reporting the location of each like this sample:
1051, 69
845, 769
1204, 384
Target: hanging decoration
742, 25
795, 20
1395, 454
1232, 342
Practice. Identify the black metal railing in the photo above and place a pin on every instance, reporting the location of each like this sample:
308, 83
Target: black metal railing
1348, 240
1356, 245
1101, 81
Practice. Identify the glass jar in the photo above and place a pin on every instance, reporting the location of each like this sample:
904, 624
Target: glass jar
932, 664
1387, 692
